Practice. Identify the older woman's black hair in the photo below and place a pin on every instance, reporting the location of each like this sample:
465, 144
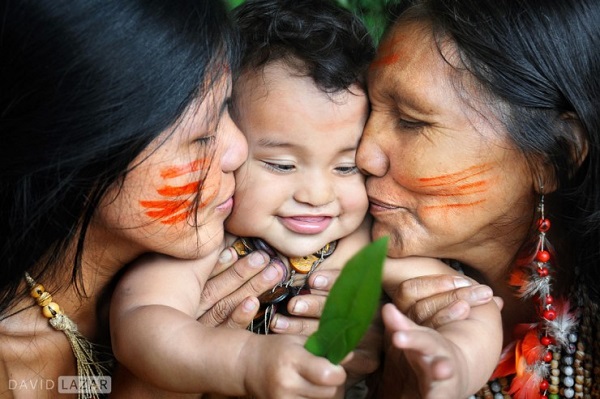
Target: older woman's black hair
85, 86
541, 59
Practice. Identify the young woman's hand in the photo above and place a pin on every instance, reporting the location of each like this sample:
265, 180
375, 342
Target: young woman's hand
229, 298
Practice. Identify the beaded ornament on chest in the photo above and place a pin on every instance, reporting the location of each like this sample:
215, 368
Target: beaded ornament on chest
293, 282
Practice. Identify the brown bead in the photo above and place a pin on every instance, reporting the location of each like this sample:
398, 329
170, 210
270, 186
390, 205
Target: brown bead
37, 290
240, 248
44, 299
303, 264
277, 295
51, 309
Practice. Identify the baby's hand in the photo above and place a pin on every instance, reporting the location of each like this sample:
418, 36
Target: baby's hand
435, 361
278, 367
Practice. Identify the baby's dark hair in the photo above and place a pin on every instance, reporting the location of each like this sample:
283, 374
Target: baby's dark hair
316, 38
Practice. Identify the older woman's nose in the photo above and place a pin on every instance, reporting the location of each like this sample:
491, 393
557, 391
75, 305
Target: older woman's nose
370, 157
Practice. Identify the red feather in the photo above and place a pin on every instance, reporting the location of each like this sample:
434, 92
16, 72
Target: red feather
506, 365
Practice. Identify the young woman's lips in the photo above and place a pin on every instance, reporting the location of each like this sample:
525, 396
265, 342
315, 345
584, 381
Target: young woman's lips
226, 206
306, 224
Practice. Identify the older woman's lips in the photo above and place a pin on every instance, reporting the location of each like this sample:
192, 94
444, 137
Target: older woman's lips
306, 224
379, 207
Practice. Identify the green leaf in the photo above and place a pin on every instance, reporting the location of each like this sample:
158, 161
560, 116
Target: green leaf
351, 304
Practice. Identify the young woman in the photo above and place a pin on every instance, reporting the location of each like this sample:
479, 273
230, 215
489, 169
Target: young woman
116, 141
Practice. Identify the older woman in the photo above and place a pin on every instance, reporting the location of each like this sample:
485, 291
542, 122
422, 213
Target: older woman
483, 148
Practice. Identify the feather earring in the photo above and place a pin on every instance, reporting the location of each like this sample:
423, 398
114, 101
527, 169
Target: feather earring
533, 356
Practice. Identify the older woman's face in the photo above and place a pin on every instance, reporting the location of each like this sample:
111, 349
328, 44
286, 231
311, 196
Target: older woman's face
444, 179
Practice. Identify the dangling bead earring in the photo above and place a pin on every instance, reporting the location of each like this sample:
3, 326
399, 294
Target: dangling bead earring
539, 348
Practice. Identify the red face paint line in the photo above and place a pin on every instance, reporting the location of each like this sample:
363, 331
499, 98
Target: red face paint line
174, 209
385, 55
453, 186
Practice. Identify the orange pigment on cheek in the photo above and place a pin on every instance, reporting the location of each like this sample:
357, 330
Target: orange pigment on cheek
172, 209
194, 166
454, 187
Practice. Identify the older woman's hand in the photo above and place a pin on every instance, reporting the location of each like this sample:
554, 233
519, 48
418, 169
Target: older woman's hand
436, 300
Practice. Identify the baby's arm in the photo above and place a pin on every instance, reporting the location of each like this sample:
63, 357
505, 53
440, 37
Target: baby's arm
156, 336
456, 359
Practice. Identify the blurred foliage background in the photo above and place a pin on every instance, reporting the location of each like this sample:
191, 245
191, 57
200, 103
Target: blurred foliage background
375, 13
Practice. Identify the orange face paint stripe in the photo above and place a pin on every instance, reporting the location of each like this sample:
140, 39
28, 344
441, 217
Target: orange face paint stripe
385, 56
454, 177
448, 206
174, 191
177, 218
385, 60
194, 166
164, 208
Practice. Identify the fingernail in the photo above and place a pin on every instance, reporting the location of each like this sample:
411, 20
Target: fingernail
270, 273
281, 324
249, 305
256, 259
276, 262
226, 256
460, 282
320, 282
457, 311
482, 292
300, 307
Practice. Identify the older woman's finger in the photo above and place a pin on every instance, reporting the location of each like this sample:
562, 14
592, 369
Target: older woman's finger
294, 325
322, 280
407, 293
453, 305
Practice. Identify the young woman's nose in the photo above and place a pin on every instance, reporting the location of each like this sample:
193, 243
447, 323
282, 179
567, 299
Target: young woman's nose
236, 150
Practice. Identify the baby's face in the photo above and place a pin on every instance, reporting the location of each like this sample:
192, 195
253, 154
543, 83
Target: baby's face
299, 188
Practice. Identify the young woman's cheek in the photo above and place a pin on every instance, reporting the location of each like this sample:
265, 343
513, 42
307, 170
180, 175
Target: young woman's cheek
173, 199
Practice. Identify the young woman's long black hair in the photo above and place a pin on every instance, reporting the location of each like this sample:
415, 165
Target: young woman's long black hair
85, 86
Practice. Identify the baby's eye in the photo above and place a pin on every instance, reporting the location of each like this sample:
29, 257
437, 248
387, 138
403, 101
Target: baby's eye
347, 170
280, 168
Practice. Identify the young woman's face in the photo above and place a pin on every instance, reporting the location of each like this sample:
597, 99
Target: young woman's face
154, 209
300, 188
446, 181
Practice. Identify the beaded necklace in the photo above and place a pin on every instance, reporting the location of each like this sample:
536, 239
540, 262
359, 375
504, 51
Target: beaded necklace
292, 284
